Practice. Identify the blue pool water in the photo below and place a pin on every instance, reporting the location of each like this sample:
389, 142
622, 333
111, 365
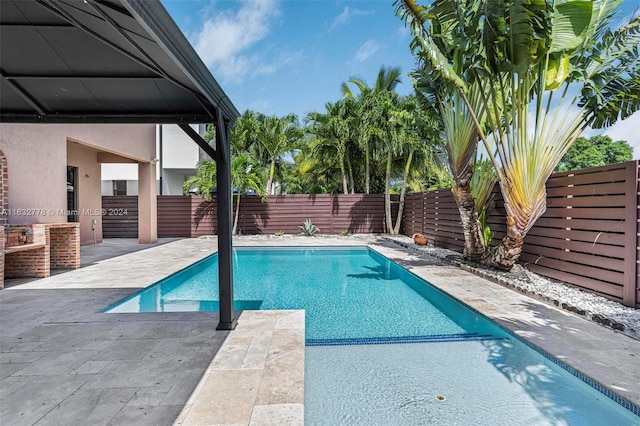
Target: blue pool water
384, 347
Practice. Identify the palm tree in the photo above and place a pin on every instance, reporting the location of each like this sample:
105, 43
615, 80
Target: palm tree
204, 180
333, 134
415, 135
526, 54
370, 131
244, 176
278, 136
459, 128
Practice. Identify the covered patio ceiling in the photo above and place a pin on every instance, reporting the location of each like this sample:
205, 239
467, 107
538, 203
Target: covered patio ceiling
97, 61
115, 61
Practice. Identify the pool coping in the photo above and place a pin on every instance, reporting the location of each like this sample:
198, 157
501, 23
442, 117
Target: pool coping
257, 376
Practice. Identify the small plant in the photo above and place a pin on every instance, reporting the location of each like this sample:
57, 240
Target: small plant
278, 233
309, 228
344, 232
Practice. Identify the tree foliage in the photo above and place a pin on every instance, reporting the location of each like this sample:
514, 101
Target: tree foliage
522, 56
595, 151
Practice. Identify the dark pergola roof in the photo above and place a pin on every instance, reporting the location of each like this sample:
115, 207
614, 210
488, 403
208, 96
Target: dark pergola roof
115, 61
101, 61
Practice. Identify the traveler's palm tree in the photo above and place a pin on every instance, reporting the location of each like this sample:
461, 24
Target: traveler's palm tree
530, 53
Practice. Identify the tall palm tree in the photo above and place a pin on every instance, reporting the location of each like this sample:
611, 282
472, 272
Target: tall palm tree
333, 131
278, 136
416, 142
370, 131
528, 54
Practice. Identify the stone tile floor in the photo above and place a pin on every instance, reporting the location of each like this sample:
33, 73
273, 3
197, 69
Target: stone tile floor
63, 362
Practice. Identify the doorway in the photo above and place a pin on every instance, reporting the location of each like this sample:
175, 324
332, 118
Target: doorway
72, 194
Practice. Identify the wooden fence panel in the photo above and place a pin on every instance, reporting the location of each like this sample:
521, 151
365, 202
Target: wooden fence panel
332, 214
174, 216
192, 216
588, 236
436, 215
120, 216
583, 237
413, 217
203, 217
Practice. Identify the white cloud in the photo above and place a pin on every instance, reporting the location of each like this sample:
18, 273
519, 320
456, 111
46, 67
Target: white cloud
281, 59
367, 50
225, 40
627, 130
346, 15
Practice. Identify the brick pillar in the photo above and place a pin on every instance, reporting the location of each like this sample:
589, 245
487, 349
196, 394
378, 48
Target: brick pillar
65, 246
4, 190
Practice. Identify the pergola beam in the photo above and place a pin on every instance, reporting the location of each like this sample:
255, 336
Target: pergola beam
200, 141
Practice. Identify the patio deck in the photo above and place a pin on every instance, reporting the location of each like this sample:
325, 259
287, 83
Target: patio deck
63, 362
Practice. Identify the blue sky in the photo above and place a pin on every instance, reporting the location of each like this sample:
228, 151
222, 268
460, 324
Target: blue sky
290, 56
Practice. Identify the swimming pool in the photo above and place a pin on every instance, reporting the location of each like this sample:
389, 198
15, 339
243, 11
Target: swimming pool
385, 347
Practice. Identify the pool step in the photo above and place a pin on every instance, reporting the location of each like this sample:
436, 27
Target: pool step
438, 338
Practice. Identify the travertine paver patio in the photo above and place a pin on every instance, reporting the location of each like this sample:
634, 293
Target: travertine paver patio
64, 362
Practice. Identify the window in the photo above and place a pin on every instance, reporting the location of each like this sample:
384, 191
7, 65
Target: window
119, 187
72, 194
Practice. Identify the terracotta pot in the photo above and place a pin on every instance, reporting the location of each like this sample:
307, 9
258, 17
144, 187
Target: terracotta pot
420, 239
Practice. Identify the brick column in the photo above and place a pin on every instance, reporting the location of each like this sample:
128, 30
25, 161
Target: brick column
65, 245
1, 257
4, 190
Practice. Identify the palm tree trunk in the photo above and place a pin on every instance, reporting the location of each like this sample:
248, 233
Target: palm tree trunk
272, 172
366, 168
351, 182
507, 253
474, 247
405, 176
343, 173
387, 196
235, 220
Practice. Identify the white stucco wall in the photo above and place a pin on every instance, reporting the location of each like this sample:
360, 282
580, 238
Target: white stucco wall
179, 151
119, 171
172, 182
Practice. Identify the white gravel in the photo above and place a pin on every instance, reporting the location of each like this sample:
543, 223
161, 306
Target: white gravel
588, 305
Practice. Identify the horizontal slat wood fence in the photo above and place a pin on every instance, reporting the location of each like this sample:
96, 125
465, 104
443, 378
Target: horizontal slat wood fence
587, 237
120, 218
192, 216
